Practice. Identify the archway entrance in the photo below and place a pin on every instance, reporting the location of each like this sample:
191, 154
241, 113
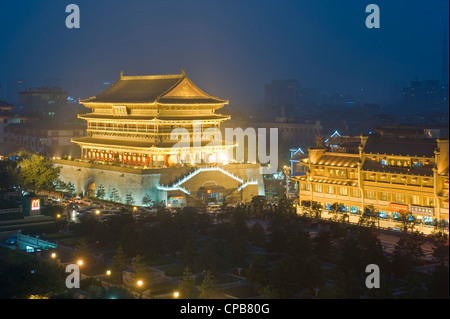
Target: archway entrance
90, 189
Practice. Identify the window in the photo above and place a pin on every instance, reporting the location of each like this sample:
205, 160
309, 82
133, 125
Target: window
343, 191
415, 200
329, 189
417, 163
371, 194
383, 196
429, 201
304, 186
356, 192
318, 188
399, 198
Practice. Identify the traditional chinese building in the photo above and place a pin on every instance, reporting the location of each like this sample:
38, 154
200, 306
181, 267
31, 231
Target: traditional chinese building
391, 173
132, 122
157, 135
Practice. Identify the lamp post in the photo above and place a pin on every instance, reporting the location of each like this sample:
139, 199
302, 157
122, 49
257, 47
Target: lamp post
18, 180
139, 284
286, 171
108, 273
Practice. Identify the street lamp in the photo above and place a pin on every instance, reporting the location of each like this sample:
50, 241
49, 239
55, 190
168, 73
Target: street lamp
176, 294
108, 273
80, 262
140, 283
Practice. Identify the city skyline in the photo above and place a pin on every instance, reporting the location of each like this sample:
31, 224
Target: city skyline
230, 49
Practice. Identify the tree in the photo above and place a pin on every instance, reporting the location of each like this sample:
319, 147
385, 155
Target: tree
115, 197
141, 270
119, 263
8, 174
101, 192
38, 173
285, 278
338, 212
257, 234
188, 254
129, 200
71, 188
258, 271
348, 284
312, 275
438, 285
407, 221
147, 199
407, 252
208, 288
322, 244
83, 252
258, 203
186, 286
369, 217
440, 249
312, 209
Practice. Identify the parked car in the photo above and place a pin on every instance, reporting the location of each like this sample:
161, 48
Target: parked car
12, 240
96, 204
212, 207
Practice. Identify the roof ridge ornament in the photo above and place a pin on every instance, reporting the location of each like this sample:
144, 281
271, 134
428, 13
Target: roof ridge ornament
121, 74
183, 71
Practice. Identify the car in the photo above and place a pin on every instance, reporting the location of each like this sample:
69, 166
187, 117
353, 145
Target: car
212, 207
87, 202
12, 240
96, 204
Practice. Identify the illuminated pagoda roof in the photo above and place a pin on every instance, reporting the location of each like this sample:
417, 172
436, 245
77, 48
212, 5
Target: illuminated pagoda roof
160, 89
156, 118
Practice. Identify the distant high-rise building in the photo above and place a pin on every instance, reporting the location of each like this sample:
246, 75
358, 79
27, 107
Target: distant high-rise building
44, 101
421, 96
283, 94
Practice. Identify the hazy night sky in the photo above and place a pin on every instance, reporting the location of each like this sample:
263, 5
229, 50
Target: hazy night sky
228, 48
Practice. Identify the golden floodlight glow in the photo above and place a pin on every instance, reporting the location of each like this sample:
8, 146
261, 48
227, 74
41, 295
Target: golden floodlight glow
176, 294
80, 262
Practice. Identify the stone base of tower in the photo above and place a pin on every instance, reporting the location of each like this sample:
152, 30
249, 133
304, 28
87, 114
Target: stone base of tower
175, 186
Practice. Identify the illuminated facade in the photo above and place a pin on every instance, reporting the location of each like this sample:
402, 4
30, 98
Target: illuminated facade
392, 174
132, 122
158, 137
